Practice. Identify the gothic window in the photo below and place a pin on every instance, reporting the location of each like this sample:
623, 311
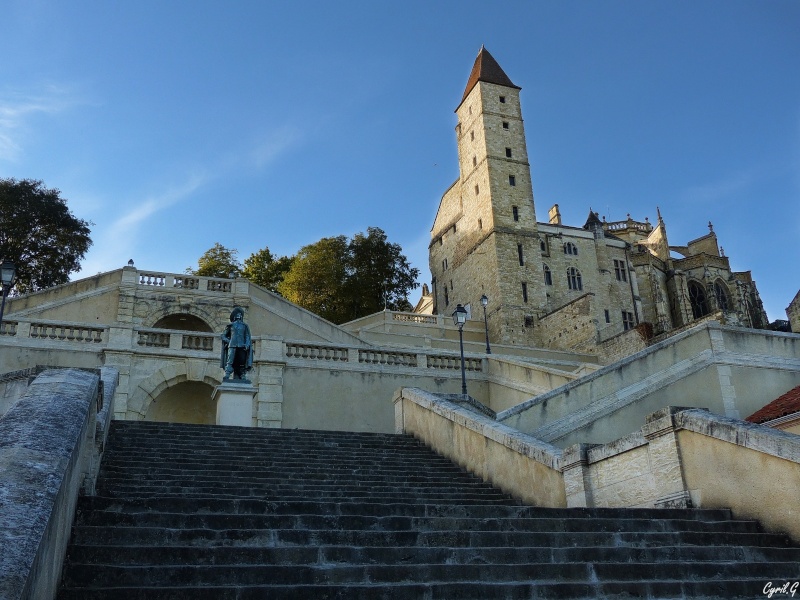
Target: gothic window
543, 245
524, 292
620, 271
515, 212
512, 180
721, 295
548, 276
519, 255
627, 320
570, 248
574, 279
697, 298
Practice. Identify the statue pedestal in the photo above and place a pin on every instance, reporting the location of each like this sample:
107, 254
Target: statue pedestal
235, 403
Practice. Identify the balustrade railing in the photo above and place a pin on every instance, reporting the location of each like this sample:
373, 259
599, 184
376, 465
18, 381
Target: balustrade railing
216, 285
387, 357
8, 328
186, 283
453, 362
316, 352
68, 333
154, 339
195, 341
415, 318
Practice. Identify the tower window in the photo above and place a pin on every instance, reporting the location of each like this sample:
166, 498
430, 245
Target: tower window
620, 270
721, 296
570, 248
444, 265
480, 223
508, 152
477, 190
627, 320
697, 298
472, 136
502, 99
574, 279
520, 256
524, 292
505, 124
474, 161
608, 316
543, 245
512, 180
515, 212
446, 297
548, 276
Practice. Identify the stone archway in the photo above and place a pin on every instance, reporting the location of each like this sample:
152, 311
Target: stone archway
183, 316
186, 402
149, 390
183, 322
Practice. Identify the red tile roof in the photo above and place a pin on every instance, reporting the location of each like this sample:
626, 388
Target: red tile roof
487, 69
787, 404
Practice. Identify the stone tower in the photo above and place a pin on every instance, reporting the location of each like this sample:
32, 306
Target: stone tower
484, 238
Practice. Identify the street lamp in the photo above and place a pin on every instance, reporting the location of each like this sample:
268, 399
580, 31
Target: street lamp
484, 302
459, 318
8, 272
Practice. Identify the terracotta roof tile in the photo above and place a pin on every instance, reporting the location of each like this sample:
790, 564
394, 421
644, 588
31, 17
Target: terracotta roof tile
486, 69
787, 404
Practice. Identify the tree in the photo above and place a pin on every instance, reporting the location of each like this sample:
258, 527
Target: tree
341, 279
264, 269
317, 277
39, 234
218, 261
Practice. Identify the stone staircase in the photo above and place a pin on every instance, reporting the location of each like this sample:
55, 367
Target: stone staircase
199, 512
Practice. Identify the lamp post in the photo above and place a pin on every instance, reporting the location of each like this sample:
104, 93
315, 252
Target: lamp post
8, 272
484, 302
459, 318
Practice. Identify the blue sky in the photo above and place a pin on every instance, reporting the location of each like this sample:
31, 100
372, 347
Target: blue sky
175, 125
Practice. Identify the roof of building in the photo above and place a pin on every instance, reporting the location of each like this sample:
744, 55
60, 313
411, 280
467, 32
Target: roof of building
787, 404
488, 70
593, 221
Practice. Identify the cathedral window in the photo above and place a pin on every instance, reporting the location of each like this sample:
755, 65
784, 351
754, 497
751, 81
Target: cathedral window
697, 298
574, 279
505, 124
570, 248
524, 292
512, 180
515, 212
502, 99
620, 270
508, 152
721, 295
520, 256
627, 320
548, 276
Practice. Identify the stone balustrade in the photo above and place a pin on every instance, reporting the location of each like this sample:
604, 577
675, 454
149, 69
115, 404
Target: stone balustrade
198, 341
415, 318
8, 328
186, 282
67, 332
316, 352
387, 357
452, 362
153, 338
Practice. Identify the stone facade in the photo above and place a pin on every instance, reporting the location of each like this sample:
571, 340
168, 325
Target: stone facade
793, 313
486, 240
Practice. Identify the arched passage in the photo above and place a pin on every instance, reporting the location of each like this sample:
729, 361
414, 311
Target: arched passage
186, 402
182, 322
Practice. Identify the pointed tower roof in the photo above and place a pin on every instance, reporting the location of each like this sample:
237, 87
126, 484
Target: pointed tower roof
593, 221
486, 69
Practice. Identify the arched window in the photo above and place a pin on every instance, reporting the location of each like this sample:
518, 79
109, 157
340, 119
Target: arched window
721, 294
570, 248
574, 279
548, 276
697, 297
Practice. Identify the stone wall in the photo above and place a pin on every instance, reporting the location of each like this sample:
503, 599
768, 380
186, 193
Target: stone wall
793, 313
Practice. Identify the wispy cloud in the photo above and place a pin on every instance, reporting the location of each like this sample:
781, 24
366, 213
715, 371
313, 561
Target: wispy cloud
275, 144
18, 108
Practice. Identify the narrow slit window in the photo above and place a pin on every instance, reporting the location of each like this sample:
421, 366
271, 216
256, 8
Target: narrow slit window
520, 255
515, 212
508, 152
524, 292
512, 180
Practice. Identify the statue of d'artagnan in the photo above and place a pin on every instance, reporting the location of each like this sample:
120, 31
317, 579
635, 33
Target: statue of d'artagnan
237, 348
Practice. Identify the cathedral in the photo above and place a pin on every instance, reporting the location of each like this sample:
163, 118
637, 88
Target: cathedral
554, 285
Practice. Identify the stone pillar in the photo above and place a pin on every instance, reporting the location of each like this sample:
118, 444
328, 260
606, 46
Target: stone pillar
575, 467
235, 403
665, 459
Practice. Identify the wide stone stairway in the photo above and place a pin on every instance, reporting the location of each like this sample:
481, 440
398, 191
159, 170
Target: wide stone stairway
200, 511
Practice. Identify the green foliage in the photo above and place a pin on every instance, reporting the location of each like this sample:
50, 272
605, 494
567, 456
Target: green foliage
264, 269
218, 261
317, 278
39, 234
342, 280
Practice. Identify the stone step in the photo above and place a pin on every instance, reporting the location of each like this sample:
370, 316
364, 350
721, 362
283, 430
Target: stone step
399, 523
578, 572
324, 555
248, 506
165, 536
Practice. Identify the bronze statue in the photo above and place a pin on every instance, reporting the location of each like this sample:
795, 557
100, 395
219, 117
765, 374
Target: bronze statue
237, 348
